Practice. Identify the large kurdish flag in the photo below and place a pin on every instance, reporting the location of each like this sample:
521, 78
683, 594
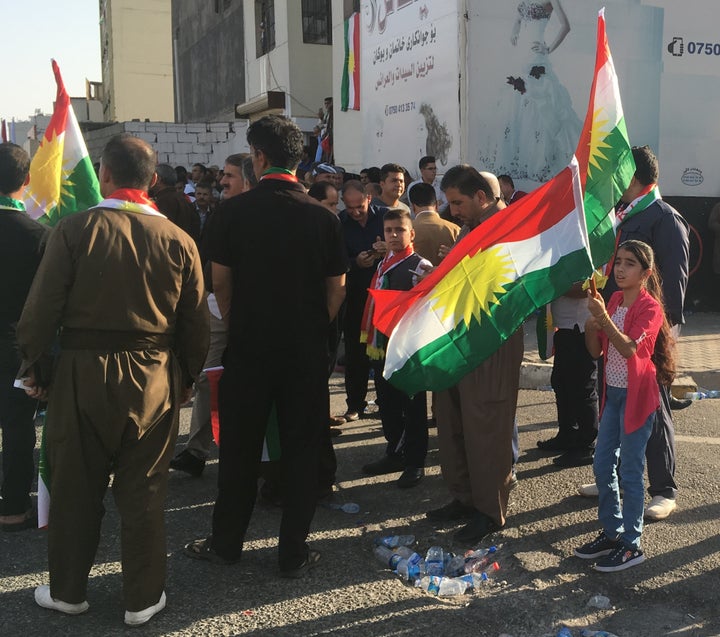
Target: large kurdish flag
62, 178
515, 262
603, 152
350, 86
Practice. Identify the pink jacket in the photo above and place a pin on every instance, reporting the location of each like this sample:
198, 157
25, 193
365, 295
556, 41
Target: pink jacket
643, 321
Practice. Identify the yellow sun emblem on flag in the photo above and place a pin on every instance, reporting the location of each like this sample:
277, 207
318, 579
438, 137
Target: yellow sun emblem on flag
48, 176
473, 285
598, 134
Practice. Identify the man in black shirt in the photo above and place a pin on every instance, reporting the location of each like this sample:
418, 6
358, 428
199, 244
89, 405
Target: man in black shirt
278, 268
22, 243
363, 231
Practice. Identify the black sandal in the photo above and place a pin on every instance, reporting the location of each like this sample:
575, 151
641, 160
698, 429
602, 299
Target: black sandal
201, 550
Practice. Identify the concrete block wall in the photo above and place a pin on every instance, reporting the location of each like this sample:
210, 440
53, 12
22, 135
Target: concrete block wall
178, 144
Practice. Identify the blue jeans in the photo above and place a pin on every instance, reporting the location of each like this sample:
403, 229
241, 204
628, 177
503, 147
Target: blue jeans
612, 444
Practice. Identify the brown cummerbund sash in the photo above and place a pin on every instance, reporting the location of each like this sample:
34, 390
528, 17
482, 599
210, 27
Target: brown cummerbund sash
113, 341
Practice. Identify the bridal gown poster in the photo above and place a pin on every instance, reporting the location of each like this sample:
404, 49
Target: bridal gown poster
409, 82
529, 72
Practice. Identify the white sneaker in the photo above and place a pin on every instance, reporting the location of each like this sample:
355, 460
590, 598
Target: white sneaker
588, 490
660, 508
44, 599
136, 618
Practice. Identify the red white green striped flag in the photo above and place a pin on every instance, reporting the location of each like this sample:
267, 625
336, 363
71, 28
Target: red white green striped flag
350, 89
604, 153
515, 262
62, 178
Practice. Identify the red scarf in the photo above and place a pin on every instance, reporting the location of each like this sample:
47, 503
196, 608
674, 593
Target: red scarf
368, 334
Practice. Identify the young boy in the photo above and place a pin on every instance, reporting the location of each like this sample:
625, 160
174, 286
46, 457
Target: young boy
404, 418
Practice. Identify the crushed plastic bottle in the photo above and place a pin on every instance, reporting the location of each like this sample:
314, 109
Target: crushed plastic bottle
391, 557
478, 561
435, 561
347, 507
451, 586
474, 580
410, 568
596, 633
455, 566
392, 541
701, 394
564, 632
599, 601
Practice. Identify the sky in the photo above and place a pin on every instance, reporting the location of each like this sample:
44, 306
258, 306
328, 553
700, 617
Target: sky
34, 31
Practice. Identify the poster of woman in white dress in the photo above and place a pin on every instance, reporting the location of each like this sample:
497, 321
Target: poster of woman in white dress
526, 99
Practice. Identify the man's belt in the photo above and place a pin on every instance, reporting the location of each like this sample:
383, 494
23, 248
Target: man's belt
113, 340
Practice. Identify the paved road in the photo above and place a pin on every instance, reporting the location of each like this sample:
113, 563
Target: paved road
539, 587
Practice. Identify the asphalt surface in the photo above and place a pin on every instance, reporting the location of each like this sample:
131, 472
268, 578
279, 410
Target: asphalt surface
539, 588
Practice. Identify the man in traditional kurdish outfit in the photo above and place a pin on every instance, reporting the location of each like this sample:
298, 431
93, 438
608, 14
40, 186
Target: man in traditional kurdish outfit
22, 242
277, 343
475, 418
125, 287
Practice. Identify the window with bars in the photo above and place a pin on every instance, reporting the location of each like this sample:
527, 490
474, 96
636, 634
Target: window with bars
316, 22
264, 26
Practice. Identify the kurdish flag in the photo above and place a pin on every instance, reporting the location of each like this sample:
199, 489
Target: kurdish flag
350, 88
515, 262
62, 178
603, 152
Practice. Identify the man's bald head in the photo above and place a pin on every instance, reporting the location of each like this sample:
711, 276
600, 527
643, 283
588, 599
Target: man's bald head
129, 162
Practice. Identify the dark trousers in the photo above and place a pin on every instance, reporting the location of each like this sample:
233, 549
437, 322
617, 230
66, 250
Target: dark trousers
357, 364
404, 421
17, 411
298, 388
574, 379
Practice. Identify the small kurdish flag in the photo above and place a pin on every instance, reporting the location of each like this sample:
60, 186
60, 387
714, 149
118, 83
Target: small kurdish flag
350, 88
62, 178
515, 262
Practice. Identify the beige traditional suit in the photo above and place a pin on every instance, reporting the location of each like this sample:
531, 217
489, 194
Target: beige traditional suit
126, 289
432, 231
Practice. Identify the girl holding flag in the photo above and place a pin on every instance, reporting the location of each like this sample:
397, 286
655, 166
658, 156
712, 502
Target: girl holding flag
634, 338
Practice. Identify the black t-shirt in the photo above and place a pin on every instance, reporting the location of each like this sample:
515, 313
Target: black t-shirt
281, 245
22, 243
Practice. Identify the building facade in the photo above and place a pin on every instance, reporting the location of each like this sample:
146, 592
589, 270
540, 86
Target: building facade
137, 61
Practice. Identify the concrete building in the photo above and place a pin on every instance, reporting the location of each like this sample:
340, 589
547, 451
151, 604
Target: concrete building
247, 58
137, 64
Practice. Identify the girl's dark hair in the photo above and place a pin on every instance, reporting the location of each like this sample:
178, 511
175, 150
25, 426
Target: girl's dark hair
664, 355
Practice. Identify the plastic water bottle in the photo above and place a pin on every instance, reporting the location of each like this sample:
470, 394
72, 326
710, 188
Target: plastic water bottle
411, 568
391, 541
434, 561
450, 586
474, 580
564, 632
390, 557
455, 566
695, 395
478, 561
596, 633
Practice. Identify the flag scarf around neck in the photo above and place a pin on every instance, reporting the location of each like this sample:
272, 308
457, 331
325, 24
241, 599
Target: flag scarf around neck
518, 260
376, 341
62, 177
603, 152
131, 200
350, 87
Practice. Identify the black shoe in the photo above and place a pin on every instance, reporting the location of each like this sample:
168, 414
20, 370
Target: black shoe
386, 464
557, 443
479, 527
451, 512
351, 416
676, 404
574, 458
410, 477
187, 462
313, 557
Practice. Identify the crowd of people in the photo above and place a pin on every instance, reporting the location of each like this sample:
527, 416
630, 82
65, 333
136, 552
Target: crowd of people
117, 314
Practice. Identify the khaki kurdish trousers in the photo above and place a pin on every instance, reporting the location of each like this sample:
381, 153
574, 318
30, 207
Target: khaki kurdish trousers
110, 413
475, 420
